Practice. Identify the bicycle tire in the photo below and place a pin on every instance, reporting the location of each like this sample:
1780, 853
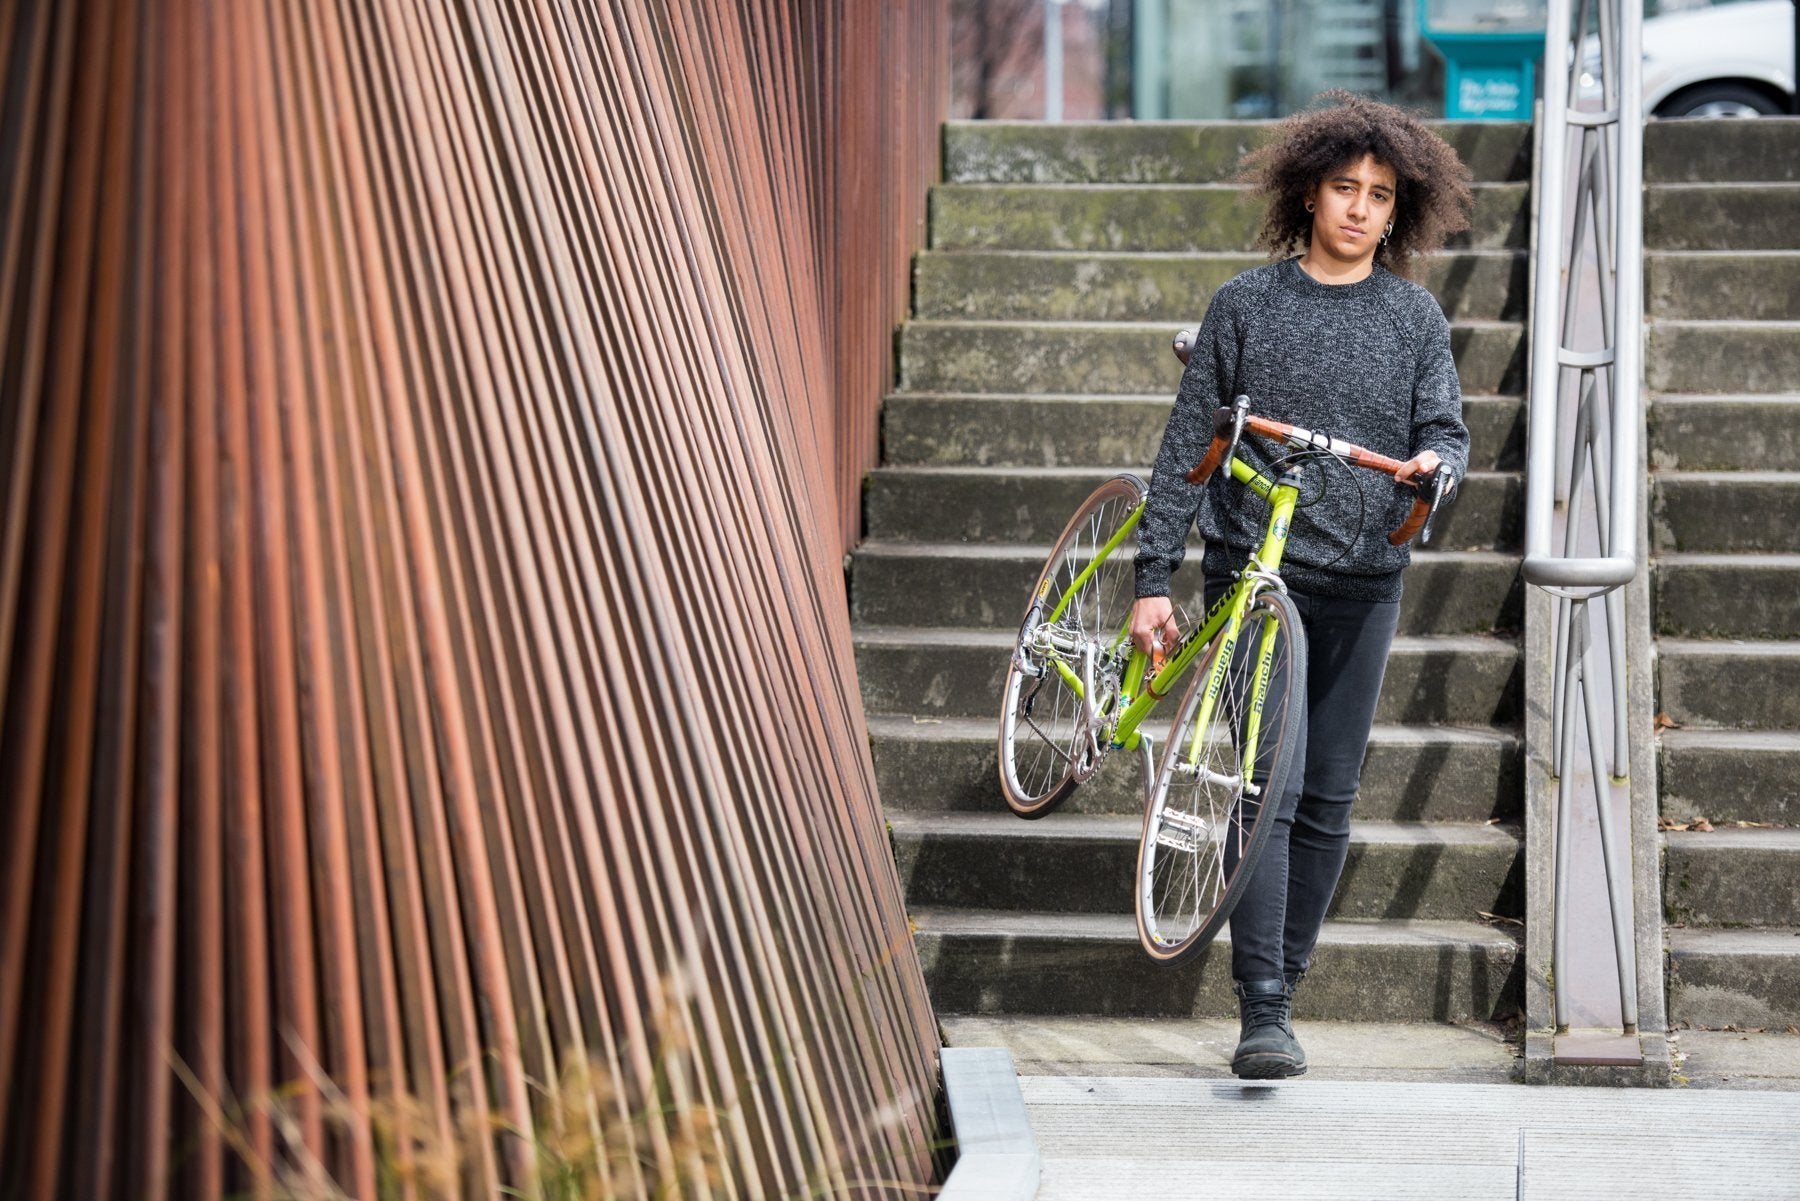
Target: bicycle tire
1042, 759
1188, 881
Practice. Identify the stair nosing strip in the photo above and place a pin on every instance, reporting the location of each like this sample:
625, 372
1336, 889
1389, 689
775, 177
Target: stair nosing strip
1390, 733
1119, 927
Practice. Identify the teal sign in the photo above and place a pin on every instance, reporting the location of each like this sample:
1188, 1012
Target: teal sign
1490, 93
1491, 50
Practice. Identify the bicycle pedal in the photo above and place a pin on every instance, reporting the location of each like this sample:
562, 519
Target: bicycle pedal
1178, 840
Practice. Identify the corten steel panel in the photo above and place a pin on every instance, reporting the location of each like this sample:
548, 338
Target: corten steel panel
429, 738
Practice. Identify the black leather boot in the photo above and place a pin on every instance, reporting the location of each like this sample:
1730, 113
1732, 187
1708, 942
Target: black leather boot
1267, 1049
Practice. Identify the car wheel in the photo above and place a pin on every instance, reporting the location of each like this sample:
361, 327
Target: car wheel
1721, 100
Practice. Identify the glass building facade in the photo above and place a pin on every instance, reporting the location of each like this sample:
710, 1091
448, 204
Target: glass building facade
1192, 59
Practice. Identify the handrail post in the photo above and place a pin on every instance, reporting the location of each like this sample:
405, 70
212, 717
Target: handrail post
1585, 417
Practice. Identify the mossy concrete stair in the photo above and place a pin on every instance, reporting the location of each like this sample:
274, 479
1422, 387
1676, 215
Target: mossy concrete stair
1062, 260
1722, 270
1114, 357
1403, 969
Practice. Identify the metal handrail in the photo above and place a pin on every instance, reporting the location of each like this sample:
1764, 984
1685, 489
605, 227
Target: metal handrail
1549, 327
1608, 204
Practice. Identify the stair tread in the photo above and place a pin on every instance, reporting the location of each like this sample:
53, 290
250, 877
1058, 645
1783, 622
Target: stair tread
1789, 478
1209, 185
1771, 399
1122, 927
1697, 647
1003, 639
1782, 941
1746, 740
1253, 255
1726, 185
1714, 323
1036, 323
983, 730
1126, 827
1163, 398
1142, 471
1777, 252
1038, 551
1728, 838
1749, 560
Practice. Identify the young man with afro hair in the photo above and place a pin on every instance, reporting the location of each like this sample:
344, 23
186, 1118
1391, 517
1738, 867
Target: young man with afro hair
1334, 339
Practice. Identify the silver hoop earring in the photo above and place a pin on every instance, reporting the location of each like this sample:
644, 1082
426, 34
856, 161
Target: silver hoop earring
1384, 233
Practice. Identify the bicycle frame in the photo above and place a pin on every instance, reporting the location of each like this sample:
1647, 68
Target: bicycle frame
1227, 613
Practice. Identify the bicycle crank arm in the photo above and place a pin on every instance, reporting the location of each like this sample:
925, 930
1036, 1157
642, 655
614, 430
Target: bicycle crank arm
1086, 765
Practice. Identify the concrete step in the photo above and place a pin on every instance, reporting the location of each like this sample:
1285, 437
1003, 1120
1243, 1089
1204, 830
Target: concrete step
1704, 511
1723, 289
986, 962
1412, 773
1726, 595
1032, 504
1730, 775
1712, 285
1060, 358
1732, 877
1173, 151
1464, 680
974, 430
1702, 150
1729, 685
1736, 977
1722, 216
1086, 863
986, 587
1712, 433
1160, 217
1176, 288
1722, 356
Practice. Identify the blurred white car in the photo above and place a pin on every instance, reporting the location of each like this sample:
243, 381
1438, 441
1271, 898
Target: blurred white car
1733, 59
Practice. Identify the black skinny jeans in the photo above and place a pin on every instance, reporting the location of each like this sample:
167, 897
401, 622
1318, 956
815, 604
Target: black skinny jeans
1276, 923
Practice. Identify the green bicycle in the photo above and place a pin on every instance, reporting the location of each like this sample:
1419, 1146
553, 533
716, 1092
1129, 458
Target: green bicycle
1076, 689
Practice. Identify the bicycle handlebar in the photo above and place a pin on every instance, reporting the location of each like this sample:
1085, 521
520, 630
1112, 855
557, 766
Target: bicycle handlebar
1229, 422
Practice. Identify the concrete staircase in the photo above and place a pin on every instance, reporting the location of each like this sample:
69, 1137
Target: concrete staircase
1722, 240
1037, 363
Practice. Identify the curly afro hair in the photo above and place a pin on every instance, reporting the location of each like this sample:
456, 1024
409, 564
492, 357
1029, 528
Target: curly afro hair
1432, 196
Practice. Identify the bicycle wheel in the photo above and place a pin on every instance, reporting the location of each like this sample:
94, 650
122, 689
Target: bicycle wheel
1204, 829
1075, 623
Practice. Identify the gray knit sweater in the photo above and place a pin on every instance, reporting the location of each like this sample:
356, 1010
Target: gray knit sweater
1369, 362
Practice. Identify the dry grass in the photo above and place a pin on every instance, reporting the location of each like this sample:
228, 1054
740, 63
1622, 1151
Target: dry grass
592, 1137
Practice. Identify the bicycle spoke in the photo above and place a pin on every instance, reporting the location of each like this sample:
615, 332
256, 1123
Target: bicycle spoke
1048, 741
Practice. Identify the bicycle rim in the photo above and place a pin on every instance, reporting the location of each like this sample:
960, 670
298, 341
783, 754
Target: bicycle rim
1045, 751
1204, 830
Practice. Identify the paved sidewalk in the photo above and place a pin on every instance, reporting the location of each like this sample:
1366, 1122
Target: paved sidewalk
1145, 1138
1129, 1108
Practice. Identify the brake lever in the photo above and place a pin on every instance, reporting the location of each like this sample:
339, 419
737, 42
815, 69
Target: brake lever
1442, 484
1240, 409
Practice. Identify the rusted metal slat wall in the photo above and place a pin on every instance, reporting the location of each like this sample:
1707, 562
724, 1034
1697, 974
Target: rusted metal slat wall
430, 747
